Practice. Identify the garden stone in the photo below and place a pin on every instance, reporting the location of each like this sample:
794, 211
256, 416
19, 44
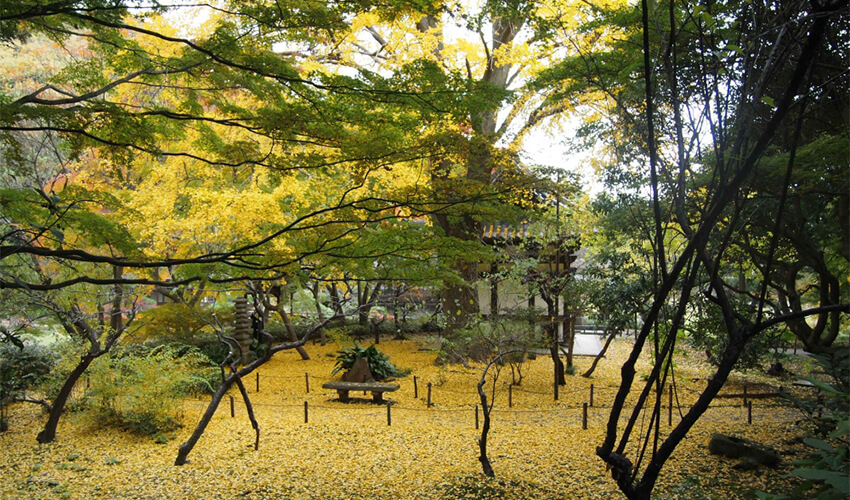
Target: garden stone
359, 372
752, 454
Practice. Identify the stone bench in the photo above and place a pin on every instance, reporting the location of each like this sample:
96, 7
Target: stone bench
376, 388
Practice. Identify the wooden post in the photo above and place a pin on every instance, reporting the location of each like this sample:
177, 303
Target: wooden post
584, 416
306, 414
476, 417
591, 394
745, 394
415, 387
429, 394
749, 412
377, 334
307, 381
232, 408
670, 408
389, 415
258, 381
510, 396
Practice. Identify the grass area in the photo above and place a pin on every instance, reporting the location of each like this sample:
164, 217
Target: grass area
537, 447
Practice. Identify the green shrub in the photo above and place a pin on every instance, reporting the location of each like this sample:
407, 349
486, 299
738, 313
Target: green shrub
826, 471
20, 369
141, 389
379, 363
211, 347
23, 368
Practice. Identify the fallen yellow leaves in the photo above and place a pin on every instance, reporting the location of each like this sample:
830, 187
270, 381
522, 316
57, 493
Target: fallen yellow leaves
537, 445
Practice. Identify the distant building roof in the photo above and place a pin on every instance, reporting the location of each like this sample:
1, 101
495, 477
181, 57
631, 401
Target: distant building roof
505, 231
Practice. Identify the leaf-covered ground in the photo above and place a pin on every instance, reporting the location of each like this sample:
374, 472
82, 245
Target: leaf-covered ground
537, 447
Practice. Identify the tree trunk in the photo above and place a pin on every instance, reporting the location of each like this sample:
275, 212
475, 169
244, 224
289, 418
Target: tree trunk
186, 448
289, 328
570, 329
366, 299
559, 365
319, 314
48, 434
486, 466
601, 354
116, 321
552, 327
363, 306
336, 301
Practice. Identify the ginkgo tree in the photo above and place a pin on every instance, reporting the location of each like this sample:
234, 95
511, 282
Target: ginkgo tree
499, 49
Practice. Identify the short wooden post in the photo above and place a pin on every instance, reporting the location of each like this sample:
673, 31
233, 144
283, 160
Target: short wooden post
429, 394
258, 381
389, 415
745, 394
749, 412
307, 381
415, 387
232, 408
510, 396
476, 416
584, 416
306, 413
670, 408
591, 395
377, 335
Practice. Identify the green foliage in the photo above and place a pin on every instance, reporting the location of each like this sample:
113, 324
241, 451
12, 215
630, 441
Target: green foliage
826, 471
379, 363
707, 333
212, 348
141, 388
21, 367
172, 320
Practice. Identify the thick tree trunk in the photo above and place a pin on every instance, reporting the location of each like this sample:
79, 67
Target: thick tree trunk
48, 434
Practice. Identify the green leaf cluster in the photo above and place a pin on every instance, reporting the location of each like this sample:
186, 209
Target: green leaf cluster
379, 363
